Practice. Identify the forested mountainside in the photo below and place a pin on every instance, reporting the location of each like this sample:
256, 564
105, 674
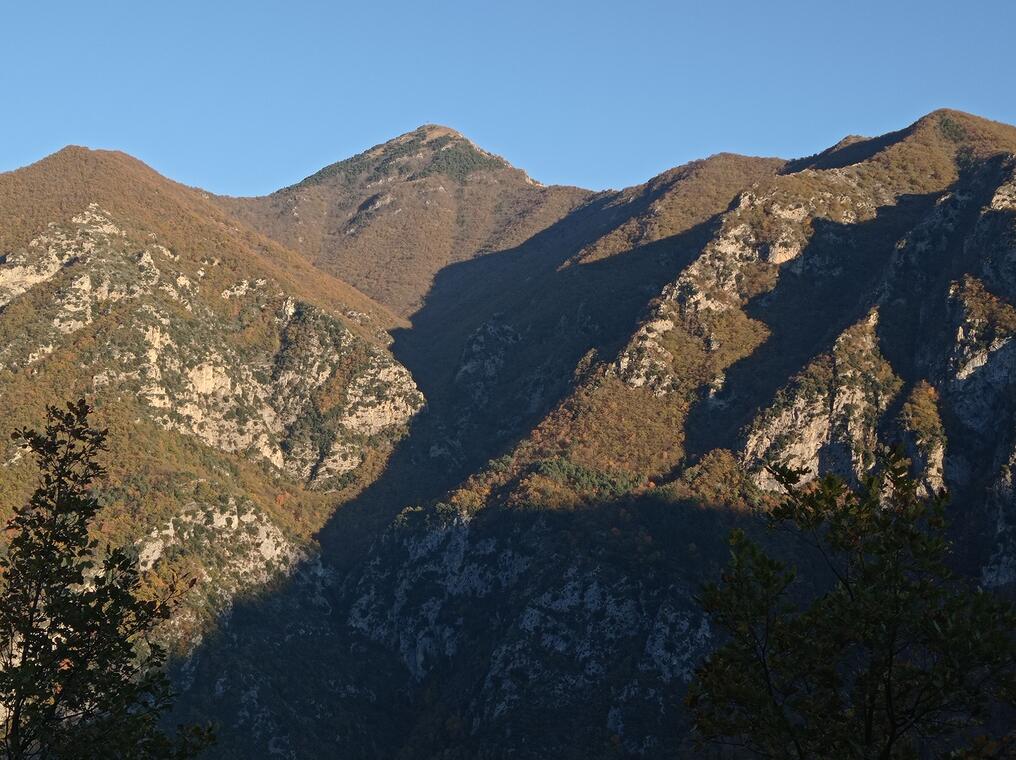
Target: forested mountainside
467, 518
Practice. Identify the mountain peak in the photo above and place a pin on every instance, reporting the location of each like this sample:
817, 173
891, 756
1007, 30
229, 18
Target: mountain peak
72, 150
79, 155
939, 114
982, 136
433, 131
942, 136
431, 149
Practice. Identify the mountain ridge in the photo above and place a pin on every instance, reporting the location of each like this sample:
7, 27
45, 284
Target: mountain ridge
113, 178
479, 527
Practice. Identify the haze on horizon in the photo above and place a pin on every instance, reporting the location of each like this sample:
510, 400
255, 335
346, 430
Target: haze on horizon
242, 99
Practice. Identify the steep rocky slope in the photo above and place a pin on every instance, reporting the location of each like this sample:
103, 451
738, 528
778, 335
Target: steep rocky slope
242, 402
732, 311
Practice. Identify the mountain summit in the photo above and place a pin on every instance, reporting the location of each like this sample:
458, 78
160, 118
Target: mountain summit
429, 149
387, 220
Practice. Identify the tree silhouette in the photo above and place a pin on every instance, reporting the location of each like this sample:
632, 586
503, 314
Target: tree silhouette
80, 675
894, 656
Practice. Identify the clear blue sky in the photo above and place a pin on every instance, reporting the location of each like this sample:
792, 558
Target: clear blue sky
246, 97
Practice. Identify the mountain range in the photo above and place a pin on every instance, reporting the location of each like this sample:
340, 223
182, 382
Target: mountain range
451, 452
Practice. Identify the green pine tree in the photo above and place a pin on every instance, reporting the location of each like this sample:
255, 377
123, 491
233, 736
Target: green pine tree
894, 656
80, 676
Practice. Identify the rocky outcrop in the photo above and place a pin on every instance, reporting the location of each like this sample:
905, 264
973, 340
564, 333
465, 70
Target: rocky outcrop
923, 435
243, 370
180, 355
827, 419
981, 365
437, 570
1000, 568
697, 327
50, 252
483, 358
239, 546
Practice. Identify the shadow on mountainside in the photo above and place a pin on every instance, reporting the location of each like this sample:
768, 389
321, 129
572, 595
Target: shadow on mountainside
918, 332
419, 653
404, 650
536, 316
290, 651
847, 152
827, 288
841, 275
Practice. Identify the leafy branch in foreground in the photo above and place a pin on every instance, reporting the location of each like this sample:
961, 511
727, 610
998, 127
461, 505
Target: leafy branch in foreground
80, 674
896, 657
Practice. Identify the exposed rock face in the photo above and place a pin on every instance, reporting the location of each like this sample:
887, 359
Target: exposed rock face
49, 253
382, 397
483, 358
705, 296
236, 398
980, 383
1000, 567
698, 325
827, 420
244, 370
568, 623
980, 365
924, 436
246, 549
